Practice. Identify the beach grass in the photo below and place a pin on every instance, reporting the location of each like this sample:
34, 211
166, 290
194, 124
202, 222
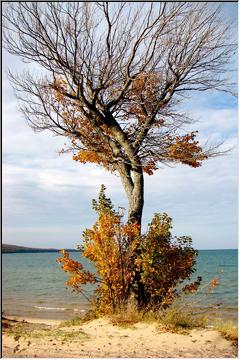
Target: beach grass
176, 319
79, 320
24, 330
229, 330
58, 334
126, 316
72, 322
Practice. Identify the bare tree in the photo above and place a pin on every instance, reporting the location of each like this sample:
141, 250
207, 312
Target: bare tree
114, 75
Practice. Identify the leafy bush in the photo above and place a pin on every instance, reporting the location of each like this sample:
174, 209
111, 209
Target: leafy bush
164, 261
128, 265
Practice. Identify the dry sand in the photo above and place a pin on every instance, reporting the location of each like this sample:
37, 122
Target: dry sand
100, 339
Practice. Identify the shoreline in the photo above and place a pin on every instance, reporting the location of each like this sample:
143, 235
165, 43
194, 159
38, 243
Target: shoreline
99, 338
214, 314
31, 320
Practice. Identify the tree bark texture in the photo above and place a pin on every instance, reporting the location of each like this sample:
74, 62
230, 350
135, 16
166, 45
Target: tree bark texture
133, 183
136, 200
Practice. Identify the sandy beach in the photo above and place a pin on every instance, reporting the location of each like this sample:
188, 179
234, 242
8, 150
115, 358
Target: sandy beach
29, 338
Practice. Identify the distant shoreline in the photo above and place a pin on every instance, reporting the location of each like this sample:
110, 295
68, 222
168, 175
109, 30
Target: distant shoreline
15, 249
36, 251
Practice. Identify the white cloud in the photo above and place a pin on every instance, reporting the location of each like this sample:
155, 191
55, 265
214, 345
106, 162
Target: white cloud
56, 179
216, 120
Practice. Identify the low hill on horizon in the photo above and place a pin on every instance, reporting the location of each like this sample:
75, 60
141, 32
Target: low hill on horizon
8, 249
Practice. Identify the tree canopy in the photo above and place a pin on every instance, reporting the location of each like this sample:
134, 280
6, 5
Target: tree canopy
114, 77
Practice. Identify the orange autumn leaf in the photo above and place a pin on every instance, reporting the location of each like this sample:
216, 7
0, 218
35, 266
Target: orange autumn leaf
186, 150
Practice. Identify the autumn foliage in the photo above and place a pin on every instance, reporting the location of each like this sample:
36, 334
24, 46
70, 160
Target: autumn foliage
96, 146
126, 262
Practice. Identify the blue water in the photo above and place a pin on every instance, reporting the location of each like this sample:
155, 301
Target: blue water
33, 285
220, 302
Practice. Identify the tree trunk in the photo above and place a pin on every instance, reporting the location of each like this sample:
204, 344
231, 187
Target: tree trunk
134, 187
136, 199
133, 183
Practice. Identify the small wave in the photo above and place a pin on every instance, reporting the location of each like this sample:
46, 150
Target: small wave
49, 308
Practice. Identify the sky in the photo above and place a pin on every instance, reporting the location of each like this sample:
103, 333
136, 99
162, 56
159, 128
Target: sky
47, 196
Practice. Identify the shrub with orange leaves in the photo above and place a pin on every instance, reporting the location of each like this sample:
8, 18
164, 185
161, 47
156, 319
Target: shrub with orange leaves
110, 245
125, 261
80, 276
165, 262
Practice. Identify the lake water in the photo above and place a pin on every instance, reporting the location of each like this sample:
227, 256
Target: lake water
34, 286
